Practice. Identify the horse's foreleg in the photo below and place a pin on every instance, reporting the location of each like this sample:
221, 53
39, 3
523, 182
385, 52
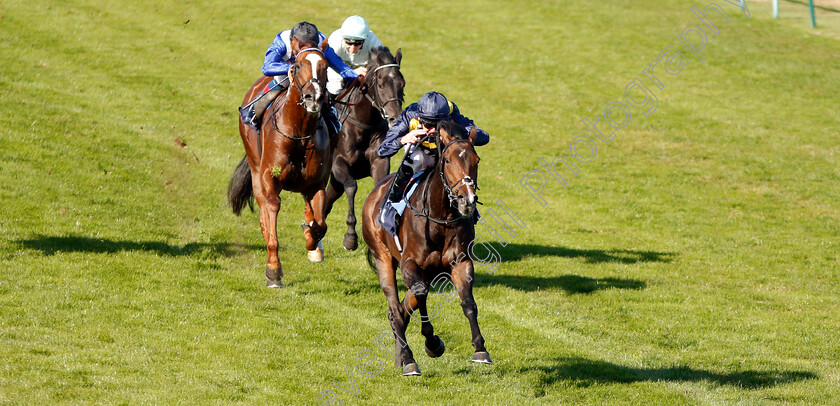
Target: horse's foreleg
419, 291
397, 314
342, 181
351, 240
334, 190
315, 226
379, 169
269, 201
463, 275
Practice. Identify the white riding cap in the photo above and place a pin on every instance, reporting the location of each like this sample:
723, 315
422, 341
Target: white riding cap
355, 27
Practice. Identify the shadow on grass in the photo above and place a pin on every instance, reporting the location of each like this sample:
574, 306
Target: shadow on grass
573, 284
583, 373
517, 252
53, 245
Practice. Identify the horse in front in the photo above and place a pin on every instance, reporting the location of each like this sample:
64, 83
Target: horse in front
435, 236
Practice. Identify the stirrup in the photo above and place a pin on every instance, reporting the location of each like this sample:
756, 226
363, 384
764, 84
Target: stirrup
248, 117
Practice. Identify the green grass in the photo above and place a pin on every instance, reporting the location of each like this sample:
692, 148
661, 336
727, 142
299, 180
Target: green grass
694, 260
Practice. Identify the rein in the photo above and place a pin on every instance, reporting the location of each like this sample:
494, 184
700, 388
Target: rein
450, 192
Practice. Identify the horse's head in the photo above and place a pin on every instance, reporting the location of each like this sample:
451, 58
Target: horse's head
309, 74
458, 166
385, 83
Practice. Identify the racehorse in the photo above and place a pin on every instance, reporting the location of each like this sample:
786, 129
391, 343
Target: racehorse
435, 235
366, 115
291, 152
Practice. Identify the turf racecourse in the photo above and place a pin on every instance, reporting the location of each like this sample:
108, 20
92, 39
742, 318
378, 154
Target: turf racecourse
691, 260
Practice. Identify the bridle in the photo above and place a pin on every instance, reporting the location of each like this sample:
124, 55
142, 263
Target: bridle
313, 80
380, 105
293, 81
451, 189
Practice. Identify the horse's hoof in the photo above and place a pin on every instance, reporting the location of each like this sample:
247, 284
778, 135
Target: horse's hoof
411, 370
437, 350
351, 242
317, 255
273, 277
482, 357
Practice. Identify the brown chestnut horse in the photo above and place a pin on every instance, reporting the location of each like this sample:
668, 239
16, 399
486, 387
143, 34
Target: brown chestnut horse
435, 235
366, 118
292, 152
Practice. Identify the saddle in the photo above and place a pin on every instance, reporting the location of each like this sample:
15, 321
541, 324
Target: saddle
391, 212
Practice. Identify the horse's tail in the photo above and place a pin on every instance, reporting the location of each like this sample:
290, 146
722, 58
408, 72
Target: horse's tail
240, 190
370, 261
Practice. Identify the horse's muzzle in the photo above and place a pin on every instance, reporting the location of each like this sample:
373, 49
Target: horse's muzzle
466, 204
312, 102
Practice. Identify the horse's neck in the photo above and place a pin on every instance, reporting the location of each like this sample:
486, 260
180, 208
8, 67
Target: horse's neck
437, 199
365, 112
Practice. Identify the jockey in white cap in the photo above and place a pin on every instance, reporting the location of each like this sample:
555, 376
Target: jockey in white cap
352, 43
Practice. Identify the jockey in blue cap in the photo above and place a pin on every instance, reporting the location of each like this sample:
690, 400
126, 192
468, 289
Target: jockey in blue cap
278, 60
416, 121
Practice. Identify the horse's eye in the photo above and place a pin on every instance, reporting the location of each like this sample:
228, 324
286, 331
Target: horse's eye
446, 160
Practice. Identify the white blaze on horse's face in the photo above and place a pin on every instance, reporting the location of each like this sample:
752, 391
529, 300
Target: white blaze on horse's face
314, 58
311, 104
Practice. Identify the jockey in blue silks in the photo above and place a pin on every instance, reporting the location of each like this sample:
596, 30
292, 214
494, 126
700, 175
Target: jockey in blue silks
278, 60
416, 121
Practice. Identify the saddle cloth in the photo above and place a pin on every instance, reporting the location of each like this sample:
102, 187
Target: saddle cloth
391, 212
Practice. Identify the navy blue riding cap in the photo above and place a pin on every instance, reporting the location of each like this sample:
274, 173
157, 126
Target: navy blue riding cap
433, 106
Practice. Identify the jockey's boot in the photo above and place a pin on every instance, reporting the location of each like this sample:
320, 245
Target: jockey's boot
252, 112
402, 176
333, 125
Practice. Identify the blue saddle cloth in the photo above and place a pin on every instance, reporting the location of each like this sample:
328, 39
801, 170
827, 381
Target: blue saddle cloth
390, 213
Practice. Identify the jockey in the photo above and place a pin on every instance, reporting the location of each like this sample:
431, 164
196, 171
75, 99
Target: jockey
416, 121
278, 60
352, 43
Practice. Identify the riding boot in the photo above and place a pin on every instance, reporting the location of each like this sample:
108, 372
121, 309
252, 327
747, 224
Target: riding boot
402, 176
333, 125
262, 105
252, 112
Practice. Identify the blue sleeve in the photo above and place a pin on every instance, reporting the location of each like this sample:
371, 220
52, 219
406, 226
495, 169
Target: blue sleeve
336, 63
481, 138
274, 65
391, 145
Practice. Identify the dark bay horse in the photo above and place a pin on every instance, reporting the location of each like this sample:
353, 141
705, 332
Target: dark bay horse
292, 152
435, 236
366, 118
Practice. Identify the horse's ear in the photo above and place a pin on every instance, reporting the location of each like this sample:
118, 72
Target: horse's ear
324, 45
398, 56
444, 135
295, 46
473, 135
